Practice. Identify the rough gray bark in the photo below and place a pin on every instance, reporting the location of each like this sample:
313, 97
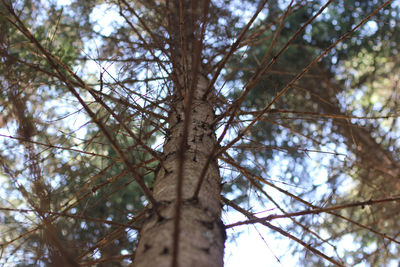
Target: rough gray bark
200, 230
201, 239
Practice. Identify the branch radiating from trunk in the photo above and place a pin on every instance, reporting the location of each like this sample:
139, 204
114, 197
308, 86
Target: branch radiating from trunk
189, 230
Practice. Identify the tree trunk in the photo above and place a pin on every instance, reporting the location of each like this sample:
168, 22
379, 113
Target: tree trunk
201, 236
201, 233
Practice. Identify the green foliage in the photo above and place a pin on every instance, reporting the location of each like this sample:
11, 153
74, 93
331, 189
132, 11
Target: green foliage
359, 70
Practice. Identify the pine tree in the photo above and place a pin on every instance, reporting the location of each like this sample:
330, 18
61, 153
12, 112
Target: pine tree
230, 96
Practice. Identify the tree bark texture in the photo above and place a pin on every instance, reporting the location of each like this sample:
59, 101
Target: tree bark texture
201, 231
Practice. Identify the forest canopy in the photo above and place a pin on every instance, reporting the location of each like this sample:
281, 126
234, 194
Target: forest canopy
158, 133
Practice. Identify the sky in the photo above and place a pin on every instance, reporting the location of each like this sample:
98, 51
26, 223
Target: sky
255, 246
